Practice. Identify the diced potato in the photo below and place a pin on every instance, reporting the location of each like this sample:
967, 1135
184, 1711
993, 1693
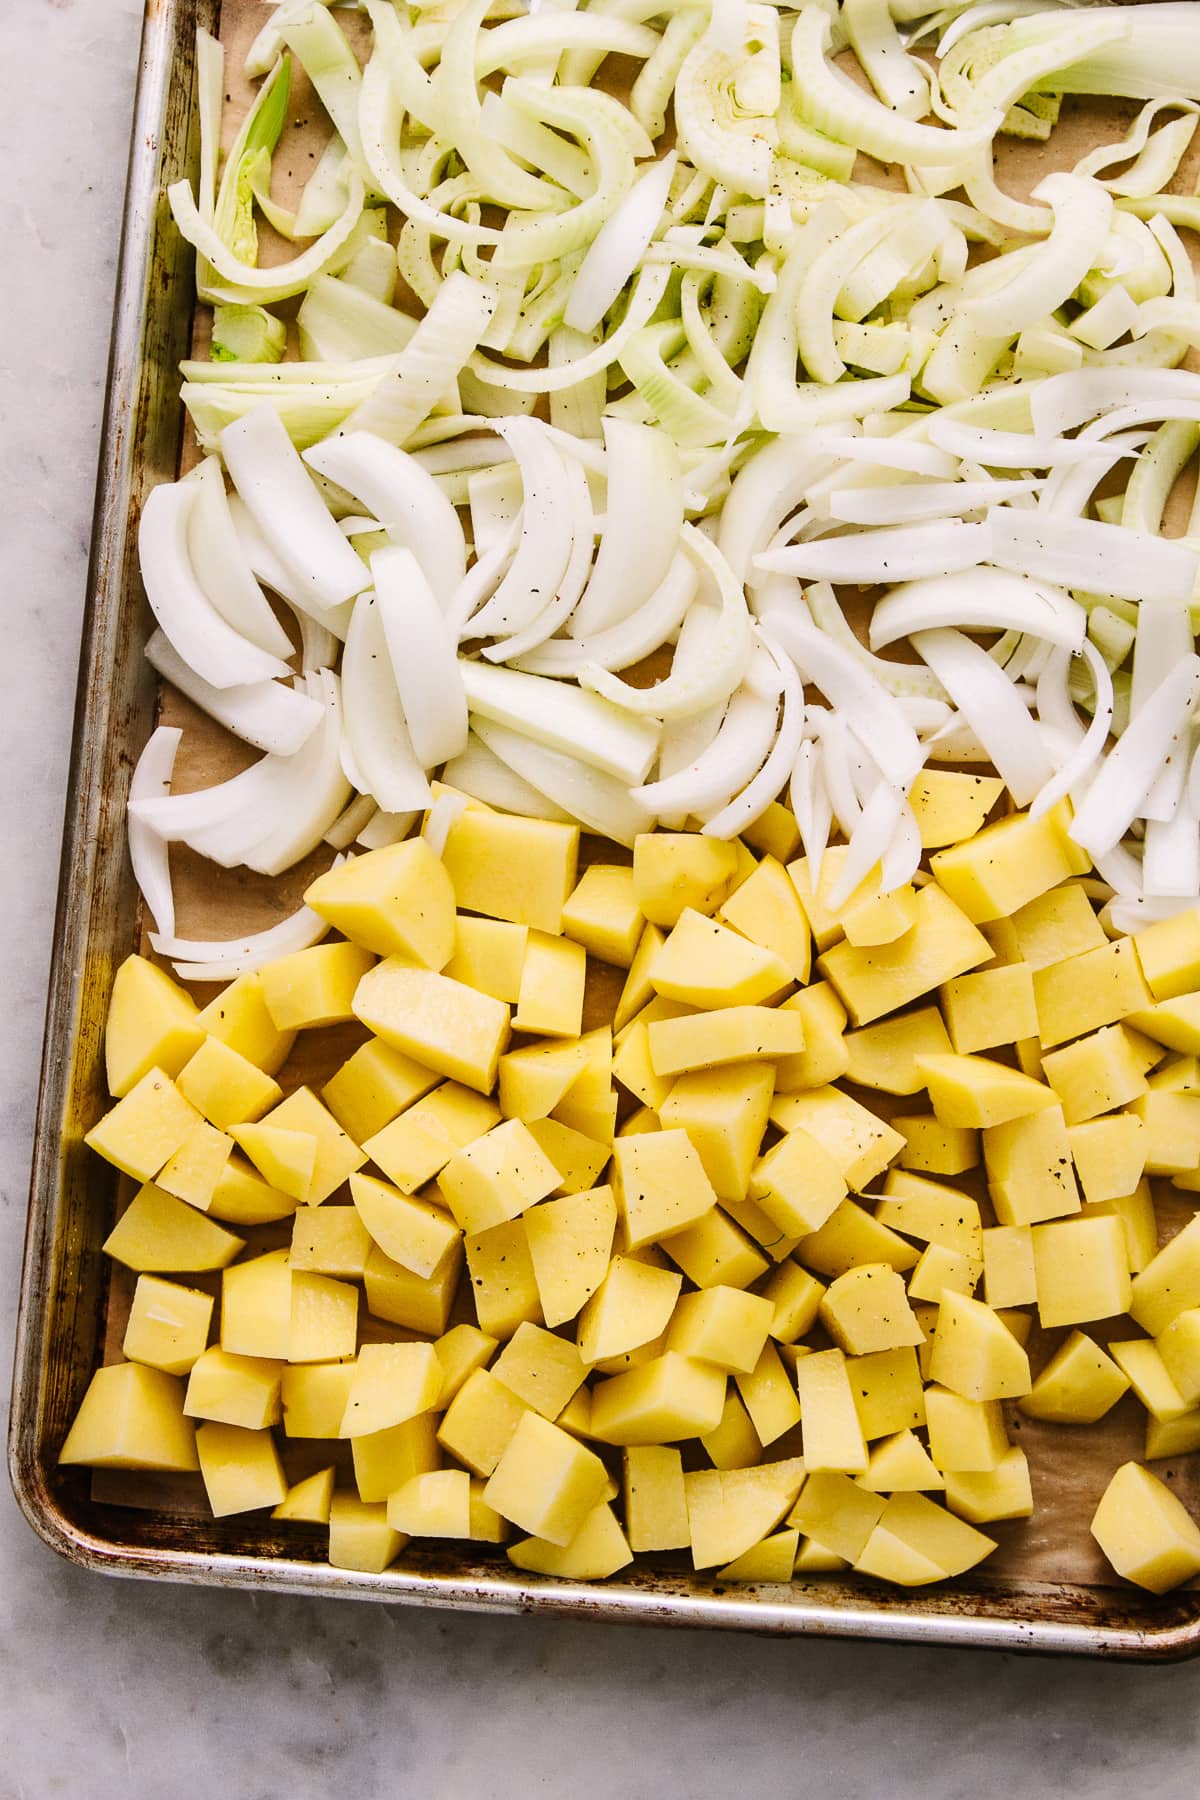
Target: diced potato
385, 1460
735, 1034
441, 1023
1171, 1132
579, 1159
633, 1068
536, 1077
733, 1442
1170, 1284
716, 1251
1009, 1277
337, 1155
721, 1325
795, 1296
225, 1086
241, 1469
131, 1417
1169, 955
1095, 1074
418, 1302
1174, 1022
603, 914
314, 1397
416, 1147
550, 1000
708, 965
656, 1515
360, 1536
256, 1307
900, 1464
285, 1159
631, 1307
1082, 1270
798, 1183
152, 1024
966, 1437
660, 1186
866, 1310
674, 872
460, 1351
730, 1510
887, 1391
316, 987
598, 1549
502, 1284
974, 1355
1140, 1360
1057, 925
570, 1241
637, 990
167, 1326
373, 1086
396, 901
437, 1504
495, 1178
1085, 992
546, 1482
239, 1017
930, 1211
309, 1501
866, 917
590, 1103
771, 1560
241, 1197
162, 1235
1177, 1437
932, 1148
487, 1526
543, 1370
392, 1383
884, 1056
145, 1128
1138, 1221
1109, 1156
941, 944
825, 1057
766, 909
1030, 1172
1177, 1075
194, 1172
235, 1390
1148, 1536
943, 1271
749, 1216
774, 833
489, 955
479, 1423
977, 1091
1179, 1347
724, 1112
1007, 864
832, 1436
861, 1144
915, 1535
667, 1399
330, 1240
850, 1236
990, 1007
839, 1513
511, 868
1078, 1385
768, 1396
949, 806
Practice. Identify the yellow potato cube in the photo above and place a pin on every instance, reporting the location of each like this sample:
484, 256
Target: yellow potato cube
337, 1155
943, 1271
570, 1242
637, 991
735, 1034
655, 1499
708, 965
418, 1302
496, 1177
488, 955
733, 1443
396, 901
887, 1391
1178, 1075
966, 1437
721, 1325
975, 1355
579, 1159
1138, 1221
749, 1216
978, 1092
360, 1536
552, 982
314, 1398
235, 1390
772, 1560
664, 1400
145, 1128
385, 1460
836, 1512
824, 1057
674, 872
1007, 864
990, 1007
1178, 1437
1030, 1173
308, 1502
795, 1297
866, 917
874, 980
932, 1212
1057, 925
1148, 1536
715, 1252
541, 1369
242, 1197
159, 1234
832, 1435
502, 1283
1009, 1276
1109, 1156
866, 1309
151, 1024
1179, 1347
603, 914
546, 1482
416, 1147
373, 1086
1141, 1361
631, 1307
933, 1148
1082, 1271
731, 1510
774, 833
167, 1326
285, 1159
660, 1186
330, 1240
460, 1351
724, 1112
798, 1183
884, 1056
194, 1172
241, 1469
633, 1068
316, 986
768, 1396
598, 1549
226, 1087
861, 1144
239, 1017
442, 1023
1084, 992
1174, 1022
1170, 1284
534, 1079
480, 1421
437, 1504
517, 869
131, 1417
1078, 1385
900, 1464
915, 1535
949, 806
256, 1307
850, 1236
766, 909
1095, 1075
392, 1383
1171, 1132
1169, 954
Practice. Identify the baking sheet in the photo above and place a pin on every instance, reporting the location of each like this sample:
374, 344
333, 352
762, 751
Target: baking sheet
1046, 1586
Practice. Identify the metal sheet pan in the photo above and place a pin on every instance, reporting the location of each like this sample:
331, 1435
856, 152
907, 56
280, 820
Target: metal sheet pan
61, 1322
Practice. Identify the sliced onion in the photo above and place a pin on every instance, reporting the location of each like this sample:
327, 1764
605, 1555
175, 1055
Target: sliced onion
574, 578
481, 773
1082, 210
1088, 747
321, 629
545, 535
1130, 769
618, 247
993, 709
762, 789
723, 769
424, 658
986, 599
384, 828
1008, 449
599, 802
383, 761
872, 713
1084, 553
643, 517
871, 840
222, 568
622, 645
563, 718
809, 801
446, 808
264, 713
151, 780
405, 499
201, 959
904, 553
344, 830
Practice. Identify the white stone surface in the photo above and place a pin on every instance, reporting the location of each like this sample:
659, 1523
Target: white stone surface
135, 1692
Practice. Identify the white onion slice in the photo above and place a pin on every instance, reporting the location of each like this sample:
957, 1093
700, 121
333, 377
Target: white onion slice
902, 858
1007, 449
545, 536
1171, 858
643, 517
405, 499
618, 247
151, 780
564, 718
574, 578
202, 959
921, 500
383, 761
481, 774
759, 792
872, 838
904, 553
635, 637
424, 658
599, 802
1089, 745
1084, 553
344, 830
447, 807
986, 599
992, 707
764, 492
723, 769
222, 568
1131, 767
321, 629
480, 580
809, 801
384, 828
872, 713
1062, 402
263, 713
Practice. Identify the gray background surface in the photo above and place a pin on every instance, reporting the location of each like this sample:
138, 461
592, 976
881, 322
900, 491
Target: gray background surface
125, 1690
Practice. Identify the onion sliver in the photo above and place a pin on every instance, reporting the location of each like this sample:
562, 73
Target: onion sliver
1132, 766
618, 247
424, 658
1090, 746
585, 793
222, 567
267, 714
202, 959
988, 599
992, 707
635, 637
151, 780
480, 773
759, 792
545, 535
903, 553
563, 718
382, 757
643, 516
405, 499
809, 801
872, 713
1084, 553
920, 500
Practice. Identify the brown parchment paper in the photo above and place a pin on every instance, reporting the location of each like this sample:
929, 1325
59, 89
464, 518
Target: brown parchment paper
1070, 1466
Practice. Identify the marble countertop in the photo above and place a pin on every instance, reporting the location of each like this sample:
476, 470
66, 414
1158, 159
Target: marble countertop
124, 1690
